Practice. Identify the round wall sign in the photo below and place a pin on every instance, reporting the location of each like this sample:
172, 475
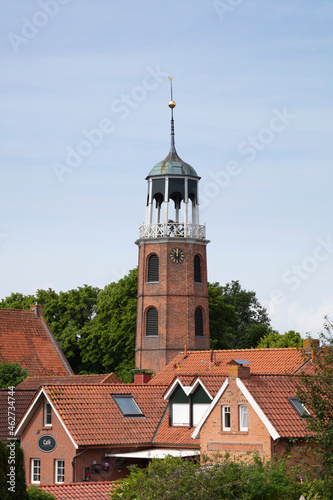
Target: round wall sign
47, 443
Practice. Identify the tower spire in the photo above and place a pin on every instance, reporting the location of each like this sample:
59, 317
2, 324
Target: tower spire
172, 105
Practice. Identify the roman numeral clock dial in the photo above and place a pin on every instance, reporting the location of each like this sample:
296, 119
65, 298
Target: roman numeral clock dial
177, 255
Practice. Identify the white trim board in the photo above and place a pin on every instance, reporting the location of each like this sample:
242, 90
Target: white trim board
271, 429
29, 412
196, 432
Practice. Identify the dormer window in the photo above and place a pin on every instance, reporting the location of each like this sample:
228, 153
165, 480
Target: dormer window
127, 405
47, 414
300, 408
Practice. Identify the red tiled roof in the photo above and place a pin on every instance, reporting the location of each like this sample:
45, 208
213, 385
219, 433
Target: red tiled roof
93, 418
175, 435
271, 392
198, 363
79, 491
36, 382
20, 400
27, 340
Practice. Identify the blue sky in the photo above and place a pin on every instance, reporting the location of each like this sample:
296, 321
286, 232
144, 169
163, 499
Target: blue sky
253, 87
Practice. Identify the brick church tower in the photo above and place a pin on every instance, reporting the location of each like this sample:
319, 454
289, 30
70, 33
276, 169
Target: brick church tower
172, 308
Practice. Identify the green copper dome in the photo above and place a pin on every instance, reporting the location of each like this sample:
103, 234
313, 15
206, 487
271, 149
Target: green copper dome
173, 165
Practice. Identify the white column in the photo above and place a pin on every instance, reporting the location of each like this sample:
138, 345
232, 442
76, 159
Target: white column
186, 208
150, 203
166, 200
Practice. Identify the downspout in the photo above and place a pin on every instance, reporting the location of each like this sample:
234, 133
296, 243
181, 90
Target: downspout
275, 444
73, 462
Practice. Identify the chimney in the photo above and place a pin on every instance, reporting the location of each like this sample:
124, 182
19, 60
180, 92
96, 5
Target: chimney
237, 370
142, 376
309, 345
37, 309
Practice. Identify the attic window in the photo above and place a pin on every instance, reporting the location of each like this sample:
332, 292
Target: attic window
127, 405
300, 408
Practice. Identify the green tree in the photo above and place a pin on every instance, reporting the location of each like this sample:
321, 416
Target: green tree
315, 390
11, 374
237, 320
174, 478
109, 340
67, 313
17, 301
275, 339
12, 475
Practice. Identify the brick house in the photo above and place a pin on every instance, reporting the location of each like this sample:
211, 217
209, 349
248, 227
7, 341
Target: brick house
182, 411
254, 413
26, 339
75, 433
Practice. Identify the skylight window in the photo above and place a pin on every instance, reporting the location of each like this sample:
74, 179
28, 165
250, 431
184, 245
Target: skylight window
128, 405
300, 408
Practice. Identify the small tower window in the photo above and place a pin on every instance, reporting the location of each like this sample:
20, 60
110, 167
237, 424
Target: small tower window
152, 322
198, 322
153, 268
197, 269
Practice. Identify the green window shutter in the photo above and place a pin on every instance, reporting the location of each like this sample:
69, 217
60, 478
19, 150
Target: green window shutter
198, 322
153, 268
197, 269
152, 321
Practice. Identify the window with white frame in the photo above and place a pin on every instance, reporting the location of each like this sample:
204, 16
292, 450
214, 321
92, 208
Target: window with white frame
35, 470
47, 414
226, 418
180, 414
243, 423
59, 471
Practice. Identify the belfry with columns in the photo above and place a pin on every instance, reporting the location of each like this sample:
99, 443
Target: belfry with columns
172, 310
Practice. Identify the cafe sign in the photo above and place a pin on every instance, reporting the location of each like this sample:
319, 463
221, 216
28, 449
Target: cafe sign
47, 443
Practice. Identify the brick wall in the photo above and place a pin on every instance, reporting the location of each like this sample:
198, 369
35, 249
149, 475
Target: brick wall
65, 450
213, 439
176, 297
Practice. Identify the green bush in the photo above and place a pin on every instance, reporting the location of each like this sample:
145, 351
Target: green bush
36, 493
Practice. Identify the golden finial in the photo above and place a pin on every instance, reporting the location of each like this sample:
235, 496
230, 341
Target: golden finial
172, 103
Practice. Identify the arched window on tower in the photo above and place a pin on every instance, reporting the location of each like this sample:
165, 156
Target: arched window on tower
197, 269
152, 322
153, 268
198, 322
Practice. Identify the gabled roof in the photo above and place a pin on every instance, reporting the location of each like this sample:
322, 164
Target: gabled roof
91, 416
36, 382
198, 363
79, 491
26, 339
20, 400
271, 392
268, 395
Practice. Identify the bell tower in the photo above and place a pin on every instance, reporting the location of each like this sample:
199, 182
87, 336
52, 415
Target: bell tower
172, 308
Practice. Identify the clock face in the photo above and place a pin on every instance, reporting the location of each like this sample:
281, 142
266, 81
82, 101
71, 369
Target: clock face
177, 255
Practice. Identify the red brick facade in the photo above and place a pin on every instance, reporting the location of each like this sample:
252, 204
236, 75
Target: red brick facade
80, 464
176, 297
64, 450
214, 439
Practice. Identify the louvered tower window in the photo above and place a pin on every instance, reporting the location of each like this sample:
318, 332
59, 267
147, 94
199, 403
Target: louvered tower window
198, 322
197, 269
152, 322
153, 268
